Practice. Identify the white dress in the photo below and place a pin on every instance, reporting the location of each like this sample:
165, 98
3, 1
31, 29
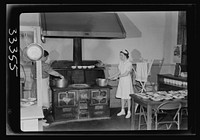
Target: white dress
125, 86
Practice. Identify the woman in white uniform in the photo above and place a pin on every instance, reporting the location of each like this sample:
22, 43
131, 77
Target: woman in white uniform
125, 87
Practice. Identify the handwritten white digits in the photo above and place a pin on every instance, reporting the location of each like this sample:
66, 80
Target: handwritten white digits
14, 31
12, 68
11, 57
14, 50
13, 40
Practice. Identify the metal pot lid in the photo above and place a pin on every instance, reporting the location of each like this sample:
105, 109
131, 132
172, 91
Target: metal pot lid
34, 51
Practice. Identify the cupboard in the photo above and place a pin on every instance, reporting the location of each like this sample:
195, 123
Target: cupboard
168, 82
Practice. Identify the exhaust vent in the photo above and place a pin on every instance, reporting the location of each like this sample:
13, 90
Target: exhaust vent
82, 24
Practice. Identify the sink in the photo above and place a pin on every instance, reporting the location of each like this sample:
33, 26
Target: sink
79, 85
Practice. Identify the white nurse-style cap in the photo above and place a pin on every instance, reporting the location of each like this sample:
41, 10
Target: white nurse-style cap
124, 51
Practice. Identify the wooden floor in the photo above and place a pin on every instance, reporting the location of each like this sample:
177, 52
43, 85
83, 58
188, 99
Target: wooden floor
114, 123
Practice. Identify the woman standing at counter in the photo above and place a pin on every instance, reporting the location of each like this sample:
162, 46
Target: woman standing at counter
125, 87
46, 71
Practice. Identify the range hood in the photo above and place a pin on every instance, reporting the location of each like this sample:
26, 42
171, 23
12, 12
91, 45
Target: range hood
100, 25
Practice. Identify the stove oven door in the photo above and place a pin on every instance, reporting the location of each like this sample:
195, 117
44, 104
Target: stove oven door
99, 106
104, 96
65, 105
95, 97
66, 98
99, 96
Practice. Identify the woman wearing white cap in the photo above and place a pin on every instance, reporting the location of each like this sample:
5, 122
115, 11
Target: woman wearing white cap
125, 87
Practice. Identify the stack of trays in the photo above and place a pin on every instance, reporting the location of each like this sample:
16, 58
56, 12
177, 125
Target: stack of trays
163, 95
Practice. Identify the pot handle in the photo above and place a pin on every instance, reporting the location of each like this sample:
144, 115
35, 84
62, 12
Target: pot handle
110, 79
57, 77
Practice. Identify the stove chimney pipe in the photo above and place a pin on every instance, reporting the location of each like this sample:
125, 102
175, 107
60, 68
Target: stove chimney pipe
77, 51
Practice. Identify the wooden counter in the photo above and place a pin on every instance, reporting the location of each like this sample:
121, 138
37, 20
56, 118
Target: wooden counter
30, 118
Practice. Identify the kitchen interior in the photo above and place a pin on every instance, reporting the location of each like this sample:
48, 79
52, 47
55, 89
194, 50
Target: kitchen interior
89, 49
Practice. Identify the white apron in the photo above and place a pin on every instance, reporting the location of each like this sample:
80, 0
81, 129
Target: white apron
45, 92
125, 86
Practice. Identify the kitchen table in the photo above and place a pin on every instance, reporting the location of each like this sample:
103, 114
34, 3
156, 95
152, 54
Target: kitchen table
150, 105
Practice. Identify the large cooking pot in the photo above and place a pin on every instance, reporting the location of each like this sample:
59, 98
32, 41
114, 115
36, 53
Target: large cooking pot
60, 82
102, 82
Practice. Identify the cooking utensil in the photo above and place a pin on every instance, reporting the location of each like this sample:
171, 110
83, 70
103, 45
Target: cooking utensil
73, 67
34, 51
60, 82
80, 67
90, 67
102, 82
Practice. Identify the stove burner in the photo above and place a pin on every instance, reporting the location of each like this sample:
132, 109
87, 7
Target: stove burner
79, 85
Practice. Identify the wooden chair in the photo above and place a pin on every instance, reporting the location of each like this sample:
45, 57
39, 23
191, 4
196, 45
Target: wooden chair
168, 113
142, 83
141, 113
147, 72
183, 113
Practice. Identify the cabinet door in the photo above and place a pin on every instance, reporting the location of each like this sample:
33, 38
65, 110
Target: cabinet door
29, 125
